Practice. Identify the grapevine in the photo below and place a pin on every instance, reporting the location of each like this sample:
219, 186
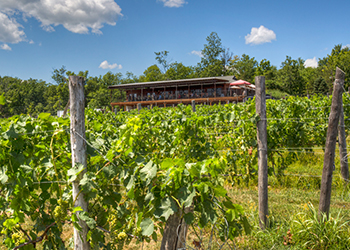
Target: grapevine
144, 168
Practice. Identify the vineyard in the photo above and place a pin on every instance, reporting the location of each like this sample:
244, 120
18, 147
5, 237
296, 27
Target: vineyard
147, 168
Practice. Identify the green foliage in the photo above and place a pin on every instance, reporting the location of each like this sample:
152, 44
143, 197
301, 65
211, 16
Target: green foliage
339, 57
144, 168
312, 231
211, 63
2, 100
152, 73
264, 68
161, 58
178, 71
289, 76
320, 86
244, 68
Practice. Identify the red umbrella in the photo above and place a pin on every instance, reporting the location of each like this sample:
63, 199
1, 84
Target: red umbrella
240, 82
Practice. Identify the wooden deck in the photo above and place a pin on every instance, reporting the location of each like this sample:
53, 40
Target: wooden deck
164, 103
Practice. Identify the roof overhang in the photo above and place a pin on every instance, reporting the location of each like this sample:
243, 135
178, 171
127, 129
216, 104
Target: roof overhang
173, 83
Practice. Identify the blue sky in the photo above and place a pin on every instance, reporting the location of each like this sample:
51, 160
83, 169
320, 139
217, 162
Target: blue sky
37, 36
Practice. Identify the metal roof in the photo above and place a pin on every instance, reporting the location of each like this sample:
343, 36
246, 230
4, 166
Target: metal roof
193, 81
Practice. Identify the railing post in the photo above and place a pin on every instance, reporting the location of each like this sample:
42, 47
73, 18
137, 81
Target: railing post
193, 106
139, 107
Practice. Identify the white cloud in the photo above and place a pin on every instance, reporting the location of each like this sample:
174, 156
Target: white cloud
346, 46
31, 42
78, 16
10, 30
311, 63
260, 35
5, 47
106, 65
197, 53
173, 3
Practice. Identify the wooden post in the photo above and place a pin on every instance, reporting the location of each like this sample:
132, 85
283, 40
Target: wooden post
193, 106
260, 105
78, 148
344, 167
139, 107
331, 140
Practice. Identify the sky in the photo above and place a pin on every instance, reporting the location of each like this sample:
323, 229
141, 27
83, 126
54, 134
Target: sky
38, 36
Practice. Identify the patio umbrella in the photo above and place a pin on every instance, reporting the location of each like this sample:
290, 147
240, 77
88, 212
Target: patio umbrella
239, 82
234, 87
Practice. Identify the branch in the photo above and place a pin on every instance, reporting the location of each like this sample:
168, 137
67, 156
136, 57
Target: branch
26, 234
37, 239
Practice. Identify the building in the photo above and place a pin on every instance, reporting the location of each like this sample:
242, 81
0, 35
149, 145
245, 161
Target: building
209, 90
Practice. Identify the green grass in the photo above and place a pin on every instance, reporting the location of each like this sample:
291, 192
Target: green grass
296, 195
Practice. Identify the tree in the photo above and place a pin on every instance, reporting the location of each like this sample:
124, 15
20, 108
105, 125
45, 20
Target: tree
211, 63
162, 59
58, 75
130, 78
310, 76
244, 67
264, 68
289, 76
320, 86
97, 93
179, 71
226, 58
152, 73
339, 57
62, 94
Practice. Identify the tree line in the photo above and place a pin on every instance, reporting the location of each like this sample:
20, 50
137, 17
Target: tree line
34, 96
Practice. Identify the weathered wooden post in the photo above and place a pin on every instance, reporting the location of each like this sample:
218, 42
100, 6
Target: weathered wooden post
344, 166
331, 140
78, 148
260, 105
193, 105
